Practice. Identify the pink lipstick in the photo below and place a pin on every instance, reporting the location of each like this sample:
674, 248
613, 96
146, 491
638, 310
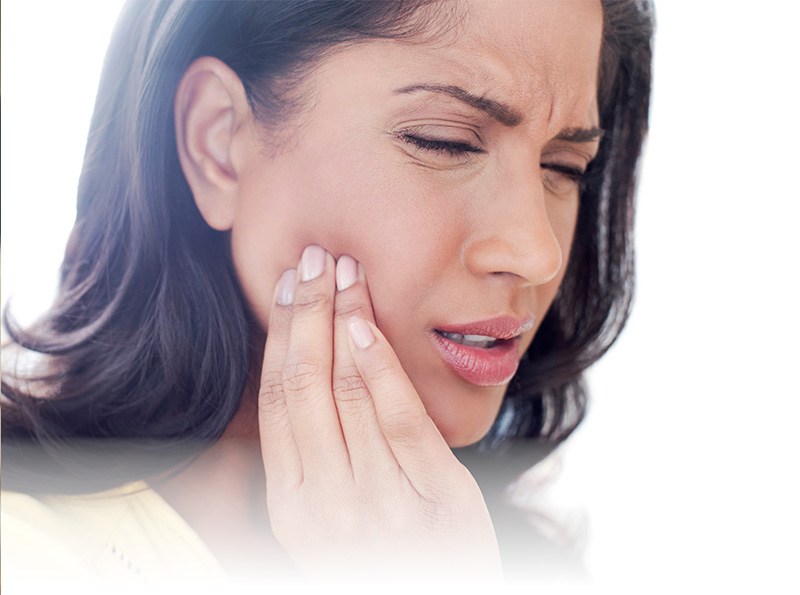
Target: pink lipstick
484, 353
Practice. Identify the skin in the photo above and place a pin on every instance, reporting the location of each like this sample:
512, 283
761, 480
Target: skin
354, 398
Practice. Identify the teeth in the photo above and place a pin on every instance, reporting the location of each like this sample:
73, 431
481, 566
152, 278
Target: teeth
481, 341
478, 338
455, 337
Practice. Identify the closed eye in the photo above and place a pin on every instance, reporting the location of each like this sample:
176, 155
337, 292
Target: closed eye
574, 173
561, 179
447, 147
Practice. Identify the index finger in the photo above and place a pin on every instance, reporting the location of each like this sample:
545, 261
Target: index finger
308, 368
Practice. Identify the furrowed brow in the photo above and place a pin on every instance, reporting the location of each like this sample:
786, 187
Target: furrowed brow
581, 135
496, 110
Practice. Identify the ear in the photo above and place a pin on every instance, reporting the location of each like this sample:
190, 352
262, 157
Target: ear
211, 112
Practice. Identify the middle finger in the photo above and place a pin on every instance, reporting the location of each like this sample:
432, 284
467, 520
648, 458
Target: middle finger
370, 455
307, 369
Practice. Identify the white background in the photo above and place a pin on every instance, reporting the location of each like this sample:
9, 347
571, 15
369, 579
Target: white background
688, 461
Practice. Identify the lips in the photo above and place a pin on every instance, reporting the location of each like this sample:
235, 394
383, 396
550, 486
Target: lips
484, 353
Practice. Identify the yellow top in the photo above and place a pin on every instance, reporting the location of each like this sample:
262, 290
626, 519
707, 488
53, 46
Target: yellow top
129, 534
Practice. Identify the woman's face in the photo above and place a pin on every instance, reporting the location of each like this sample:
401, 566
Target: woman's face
444, 168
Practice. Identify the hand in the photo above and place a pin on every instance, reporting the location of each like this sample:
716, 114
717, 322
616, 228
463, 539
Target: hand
359, 479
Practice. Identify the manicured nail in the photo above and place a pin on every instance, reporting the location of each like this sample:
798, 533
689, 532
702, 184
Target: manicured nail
360, 332
346, 272
312, 263
286, 287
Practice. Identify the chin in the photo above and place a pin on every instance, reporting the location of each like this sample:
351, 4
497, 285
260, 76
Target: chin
461, 442
462, 412
464, 430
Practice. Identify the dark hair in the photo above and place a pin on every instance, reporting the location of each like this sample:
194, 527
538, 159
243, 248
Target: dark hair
146, 349
547, 397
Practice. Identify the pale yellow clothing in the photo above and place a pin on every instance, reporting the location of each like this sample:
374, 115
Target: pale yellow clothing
129, 534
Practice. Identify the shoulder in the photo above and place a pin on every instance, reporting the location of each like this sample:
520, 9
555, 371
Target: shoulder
128, 534
33, 538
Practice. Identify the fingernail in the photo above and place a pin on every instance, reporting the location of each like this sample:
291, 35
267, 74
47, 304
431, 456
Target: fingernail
346, 272
312, 263
286, 287
360, 332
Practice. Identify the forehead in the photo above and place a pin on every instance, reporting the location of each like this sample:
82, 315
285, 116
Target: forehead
541, 55
537, 57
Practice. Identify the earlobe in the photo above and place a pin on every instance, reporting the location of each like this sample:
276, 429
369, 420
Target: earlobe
210, 108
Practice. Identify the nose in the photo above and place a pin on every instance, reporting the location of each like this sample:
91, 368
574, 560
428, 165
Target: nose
513, 232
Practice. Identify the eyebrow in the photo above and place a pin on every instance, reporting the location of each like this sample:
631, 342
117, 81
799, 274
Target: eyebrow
581, 135
503, 113
499, 111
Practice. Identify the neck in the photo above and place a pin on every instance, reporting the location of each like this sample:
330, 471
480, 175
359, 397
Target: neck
222, 496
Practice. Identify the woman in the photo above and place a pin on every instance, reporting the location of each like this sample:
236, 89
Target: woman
318, 245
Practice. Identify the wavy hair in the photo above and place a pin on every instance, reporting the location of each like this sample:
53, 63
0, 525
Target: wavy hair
144, 357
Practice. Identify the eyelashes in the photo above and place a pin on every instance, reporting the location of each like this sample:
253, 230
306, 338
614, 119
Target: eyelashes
559, 178
446, 147
574, 175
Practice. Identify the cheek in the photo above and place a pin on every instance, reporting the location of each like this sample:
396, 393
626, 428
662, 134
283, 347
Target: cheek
266, 238
349, 203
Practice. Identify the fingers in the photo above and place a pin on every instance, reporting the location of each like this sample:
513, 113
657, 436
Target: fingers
369, 452
334, 398
308, 367
278, 447
414, 440
300, 433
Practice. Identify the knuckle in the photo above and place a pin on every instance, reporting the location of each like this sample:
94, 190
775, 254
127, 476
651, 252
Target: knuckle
382, 374
300, 375
271, 387
271, 405
269, 410
347, 309
274, 419
312, 302
403, 423
350, 386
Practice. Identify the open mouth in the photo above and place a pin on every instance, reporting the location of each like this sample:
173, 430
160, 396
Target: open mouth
481, 360
484, 352
481, 341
